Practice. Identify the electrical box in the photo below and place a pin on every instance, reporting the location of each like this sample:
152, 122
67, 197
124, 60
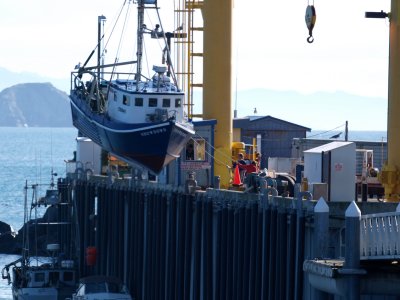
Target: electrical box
335, 165
88, 153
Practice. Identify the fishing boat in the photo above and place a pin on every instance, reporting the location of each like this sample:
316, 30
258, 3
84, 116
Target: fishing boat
101, 288
44, 270
138, 119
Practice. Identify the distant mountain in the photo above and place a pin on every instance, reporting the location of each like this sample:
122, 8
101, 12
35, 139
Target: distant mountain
320, 110
9, 78
34, 105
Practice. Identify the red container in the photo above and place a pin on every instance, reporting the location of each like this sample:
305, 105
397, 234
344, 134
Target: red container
91, 255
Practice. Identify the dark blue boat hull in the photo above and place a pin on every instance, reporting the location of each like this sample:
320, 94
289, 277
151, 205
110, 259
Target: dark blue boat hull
151, 145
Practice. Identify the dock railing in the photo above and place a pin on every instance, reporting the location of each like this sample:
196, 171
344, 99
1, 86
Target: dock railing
380, 236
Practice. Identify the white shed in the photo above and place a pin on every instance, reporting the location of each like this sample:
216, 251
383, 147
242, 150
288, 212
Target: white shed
334, 164
89, 154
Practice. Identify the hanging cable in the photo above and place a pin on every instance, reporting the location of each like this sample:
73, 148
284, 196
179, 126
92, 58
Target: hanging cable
113, 28
119, 46
168, 50
215, 150
326, 131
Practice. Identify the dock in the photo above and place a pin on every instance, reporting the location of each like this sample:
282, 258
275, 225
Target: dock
168, 243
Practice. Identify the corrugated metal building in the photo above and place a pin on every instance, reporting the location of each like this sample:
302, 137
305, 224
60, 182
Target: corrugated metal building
274, 135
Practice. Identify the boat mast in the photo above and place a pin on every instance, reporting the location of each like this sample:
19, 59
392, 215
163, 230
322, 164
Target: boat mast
139, 41
100, 21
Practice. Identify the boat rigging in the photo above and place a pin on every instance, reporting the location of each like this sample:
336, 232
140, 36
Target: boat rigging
141, 120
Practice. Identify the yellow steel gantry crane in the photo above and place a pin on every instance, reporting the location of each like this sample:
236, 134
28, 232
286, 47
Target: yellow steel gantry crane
217, 92
390, 173
217, 74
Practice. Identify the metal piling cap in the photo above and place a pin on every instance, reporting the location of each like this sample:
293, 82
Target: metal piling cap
321, 206
353, 211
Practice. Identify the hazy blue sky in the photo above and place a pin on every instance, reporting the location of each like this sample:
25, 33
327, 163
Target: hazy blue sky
349, 54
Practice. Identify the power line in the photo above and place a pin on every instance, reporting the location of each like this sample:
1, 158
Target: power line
326, 131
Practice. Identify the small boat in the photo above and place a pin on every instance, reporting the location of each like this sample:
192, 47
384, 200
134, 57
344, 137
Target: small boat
101, 288
138, 119
43, 271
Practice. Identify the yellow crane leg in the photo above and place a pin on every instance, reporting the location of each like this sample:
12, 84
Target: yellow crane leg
217, 80
389, 175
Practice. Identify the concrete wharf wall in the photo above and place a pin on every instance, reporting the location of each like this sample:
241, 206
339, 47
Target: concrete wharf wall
214, 244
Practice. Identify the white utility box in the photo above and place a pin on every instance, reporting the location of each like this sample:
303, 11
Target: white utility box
335, 165
89, 154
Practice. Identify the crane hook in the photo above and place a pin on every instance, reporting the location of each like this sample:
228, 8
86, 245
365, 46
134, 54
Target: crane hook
310, 18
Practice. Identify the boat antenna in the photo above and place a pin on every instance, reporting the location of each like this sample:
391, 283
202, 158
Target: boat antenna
25, 231
167, 41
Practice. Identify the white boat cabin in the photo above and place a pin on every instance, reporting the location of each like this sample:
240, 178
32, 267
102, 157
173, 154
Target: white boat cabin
128, 106
154, 100
43, 277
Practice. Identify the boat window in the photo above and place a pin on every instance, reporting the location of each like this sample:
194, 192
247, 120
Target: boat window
115, 96
54, 277
125, 100
166, 102
138, 101
94, 287
113, 287
178, 103
153, 102
39, 277
190, 150
68, 276
196, 150
200, 150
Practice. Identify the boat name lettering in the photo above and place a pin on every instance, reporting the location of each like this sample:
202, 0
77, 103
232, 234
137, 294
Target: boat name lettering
121, 109
154, 131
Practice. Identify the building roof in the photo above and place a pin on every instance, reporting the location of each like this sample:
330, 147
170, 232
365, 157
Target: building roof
266, 122
204, 122
328, 147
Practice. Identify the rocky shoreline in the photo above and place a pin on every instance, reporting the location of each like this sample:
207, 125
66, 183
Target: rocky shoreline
11, 242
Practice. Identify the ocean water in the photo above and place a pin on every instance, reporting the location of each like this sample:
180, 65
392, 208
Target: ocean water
371, 136
28, 154
31, 153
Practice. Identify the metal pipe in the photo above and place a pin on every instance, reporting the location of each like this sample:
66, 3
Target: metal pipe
230, 256
282, 254
190, 200
291, 256
259, 260
352, 250
207, 238
321, 236
197, 251
300, 233
217, 252
266, 251
253, 253
246, 253
272, 254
